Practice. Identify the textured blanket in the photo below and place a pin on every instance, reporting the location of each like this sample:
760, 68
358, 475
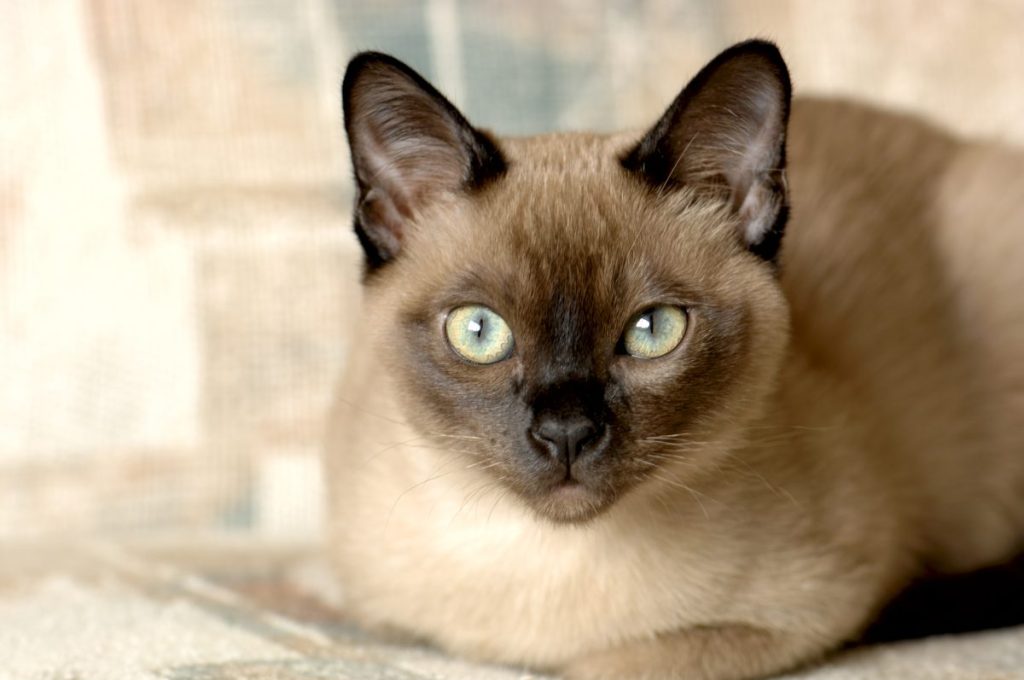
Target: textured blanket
221, 612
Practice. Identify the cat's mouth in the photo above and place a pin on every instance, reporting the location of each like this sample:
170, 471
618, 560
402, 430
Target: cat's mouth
570, 501
572, 492
573, 498
567, 485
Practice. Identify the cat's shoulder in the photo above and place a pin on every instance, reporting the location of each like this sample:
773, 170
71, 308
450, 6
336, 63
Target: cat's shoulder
839, 129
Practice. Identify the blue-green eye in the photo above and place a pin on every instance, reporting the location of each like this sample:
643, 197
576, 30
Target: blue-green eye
654, 332
479, 335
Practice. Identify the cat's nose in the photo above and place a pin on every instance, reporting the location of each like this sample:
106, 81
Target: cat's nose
564, 437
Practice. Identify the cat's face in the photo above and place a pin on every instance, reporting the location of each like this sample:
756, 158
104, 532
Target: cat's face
575, 315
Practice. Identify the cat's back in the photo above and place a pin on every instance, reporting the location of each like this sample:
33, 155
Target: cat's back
902, 268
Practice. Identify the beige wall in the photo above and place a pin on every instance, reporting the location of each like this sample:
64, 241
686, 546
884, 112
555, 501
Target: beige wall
176, 268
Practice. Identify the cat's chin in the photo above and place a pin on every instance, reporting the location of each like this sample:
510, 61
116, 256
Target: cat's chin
571, 502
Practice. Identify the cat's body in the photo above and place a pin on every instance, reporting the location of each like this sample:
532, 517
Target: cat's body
869, 429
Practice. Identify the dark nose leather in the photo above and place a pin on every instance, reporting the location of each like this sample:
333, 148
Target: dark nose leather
564, 437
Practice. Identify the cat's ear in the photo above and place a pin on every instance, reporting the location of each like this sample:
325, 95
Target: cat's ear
409, 145
726, 132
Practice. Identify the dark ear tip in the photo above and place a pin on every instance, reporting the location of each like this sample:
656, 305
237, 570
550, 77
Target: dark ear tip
370, 58
760, 50
755, 47
368, 68
363, 61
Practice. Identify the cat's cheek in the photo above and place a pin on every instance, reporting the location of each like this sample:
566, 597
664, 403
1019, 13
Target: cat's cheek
444, 393
650, 381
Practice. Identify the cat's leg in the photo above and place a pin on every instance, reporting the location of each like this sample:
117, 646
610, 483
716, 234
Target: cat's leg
732, 652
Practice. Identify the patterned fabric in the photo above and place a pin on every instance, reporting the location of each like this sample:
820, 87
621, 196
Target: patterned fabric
160, 612
104, 612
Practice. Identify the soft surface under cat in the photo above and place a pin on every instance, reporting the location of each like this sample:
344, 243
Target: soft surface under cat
601, 418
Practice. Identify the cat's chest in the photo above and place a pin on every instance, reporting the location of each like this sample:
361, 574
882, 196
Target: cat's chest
481, 578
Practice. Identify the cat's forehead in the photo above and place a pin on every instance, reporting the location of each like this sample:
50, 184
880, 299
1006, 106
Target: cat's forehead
569, 195
567, 190
568, 217
584, 152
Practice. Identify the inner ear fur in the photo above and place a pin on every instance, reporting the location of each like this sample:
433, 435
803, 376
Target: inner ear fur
725, 134
408, 145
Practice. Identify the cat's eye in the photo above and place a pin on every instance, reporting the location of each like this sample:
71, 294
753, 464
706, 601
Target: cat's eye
654, 332
478, 334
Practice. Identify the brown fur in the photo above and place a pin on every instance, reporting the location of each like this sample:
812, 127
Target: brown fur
825, 433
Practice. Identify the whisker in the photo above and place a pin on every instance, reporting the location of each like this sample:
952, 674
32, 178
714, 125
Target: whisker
411, 443
500, 497
693, 492
438, 473
363, 409
478, 492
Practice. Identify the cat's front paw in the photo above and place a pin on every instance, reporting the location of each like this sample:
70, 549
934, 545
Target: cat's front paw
733, 652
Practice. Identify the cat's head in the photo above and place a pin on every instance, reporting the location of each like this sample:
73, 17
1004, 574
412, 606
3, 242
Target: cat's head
576, 314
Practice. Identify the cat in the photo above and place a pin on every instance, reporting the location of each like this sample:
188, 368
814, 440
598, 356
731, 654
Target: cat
602, 418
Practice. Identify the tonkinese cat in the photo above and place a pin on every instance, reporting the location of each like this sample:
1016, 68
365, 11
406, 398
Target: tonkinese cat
603, 418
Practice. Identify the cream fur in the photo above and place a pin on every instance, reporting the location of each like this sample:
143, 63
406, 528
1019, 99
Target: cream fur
879, 432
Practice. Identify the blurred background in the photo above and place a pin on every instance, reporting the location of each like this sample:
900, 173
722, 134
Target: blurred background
177, 272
